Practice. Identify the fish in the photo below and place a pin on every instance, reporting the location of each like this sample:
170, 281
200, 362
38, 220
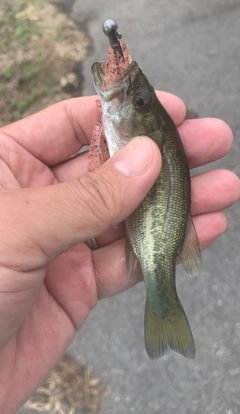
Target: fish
161, 229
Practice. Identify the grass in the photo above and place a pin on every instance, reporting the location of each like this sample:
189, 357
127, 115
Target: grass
16, 27
31, 81
39, 47
8, 73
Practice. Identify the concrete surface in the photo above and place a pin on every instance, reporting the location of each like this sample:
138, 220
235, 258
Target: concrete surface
190, 48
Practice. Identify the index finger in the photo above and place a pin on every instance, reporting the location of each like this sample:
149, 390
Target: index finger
55, 133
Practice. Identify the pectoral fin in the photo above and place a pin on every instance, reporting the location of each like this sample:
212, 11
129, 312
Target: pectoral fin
190, 254
131, 259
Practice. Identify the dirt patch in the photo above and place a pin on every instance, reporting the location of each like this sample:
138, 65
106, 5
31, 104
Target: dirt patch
41, 51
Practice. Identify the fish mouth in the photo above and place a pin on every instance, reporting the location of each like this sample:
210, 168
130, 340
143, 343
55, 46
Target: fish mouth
118, 86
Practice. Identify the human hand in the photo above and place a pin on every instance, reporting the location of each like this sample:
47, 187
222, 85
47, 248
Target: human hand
50, 279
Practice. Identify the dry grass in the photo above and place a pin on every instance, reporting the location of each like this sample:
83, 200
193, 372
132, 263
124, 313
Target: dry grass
71, 388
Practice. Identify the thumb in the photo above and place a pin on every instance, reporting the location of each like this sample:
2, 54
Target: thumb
50, 220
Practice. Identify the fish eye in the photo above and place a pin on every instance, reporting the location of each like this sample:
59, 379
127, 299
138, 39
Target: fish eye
143, 102
139, 101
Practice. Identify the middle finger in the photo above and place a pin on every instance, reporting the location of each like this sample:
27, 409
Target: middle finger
214, 191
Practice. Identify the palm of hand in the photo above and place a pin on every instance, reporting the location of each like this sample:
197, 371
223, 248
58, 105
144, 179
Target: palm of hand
64, 297
56, 297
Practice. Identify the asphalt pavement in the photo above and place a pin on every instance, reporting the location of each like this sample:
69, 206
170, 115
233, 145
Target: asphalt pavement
190, 48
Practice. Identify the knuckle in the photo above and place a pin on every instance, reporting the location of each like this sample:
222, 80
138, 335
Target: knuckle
98, 193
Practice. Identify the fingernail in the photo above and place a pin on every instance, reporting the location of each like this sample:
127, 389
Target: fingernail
135, 158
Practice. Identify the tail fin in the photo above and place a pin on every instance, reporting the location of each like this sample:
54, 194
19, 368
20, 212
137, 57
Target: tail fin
167, 329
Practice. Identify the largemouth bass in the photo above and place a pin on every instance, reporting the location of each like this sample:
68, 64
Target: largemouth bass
161, 229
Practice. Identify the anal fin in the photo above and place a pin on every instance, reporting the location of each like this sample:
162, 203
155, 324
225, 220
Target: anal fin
92, 244
190, 254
